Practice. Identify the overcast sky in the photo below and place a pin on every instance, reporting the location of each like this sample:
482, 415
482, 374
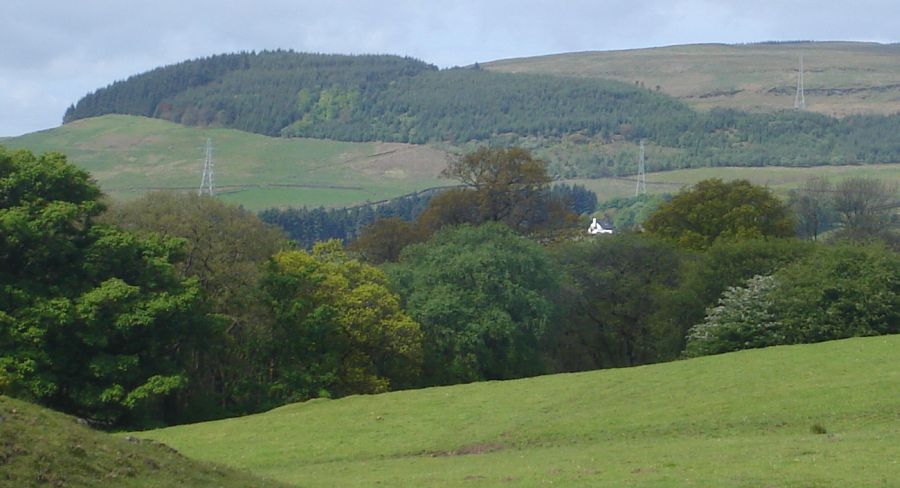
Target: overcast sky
54, 52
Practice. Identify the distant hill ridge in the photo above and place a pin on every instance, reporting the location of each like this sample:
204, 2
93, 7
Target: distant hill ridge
255, 92
369, 98
572, 117
129, 155
841, 78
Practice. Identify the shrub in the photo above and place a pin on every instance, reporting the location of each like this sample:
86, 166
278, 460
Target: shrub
744, 319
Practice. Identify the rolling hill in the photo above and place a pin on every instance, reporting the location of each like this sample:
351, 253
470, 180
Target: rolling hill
584, 125
131, 155
557, 106
841, 78
368, 98
39, 447
822, 415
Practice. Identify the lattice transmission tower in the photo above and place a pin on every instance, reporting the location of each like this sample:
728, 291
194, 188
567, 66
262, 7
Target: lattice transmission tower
206, 184
800, 97
641, 176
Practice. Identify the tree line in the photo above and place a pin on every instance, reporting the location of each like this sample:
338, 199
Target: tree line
176, 308
306, 226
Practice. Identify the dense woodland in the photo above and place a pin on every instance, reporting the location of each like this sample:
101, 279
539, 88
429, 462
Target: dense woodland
176, 308
256, 92
573, 123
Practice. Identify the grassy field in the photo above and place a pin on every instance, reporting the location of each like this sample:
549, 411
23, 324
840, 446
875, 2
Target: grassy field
39, 447
131, 155
780, 179
823, 415
840, 78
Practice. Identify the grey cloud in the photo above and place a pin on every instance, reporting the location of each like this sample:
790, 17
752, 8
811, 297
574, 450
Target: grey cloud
56, 50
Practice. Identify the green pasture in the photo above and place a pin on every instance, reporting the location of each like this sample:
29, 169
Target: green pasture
129, 156
823, 415
779, 178
132, 155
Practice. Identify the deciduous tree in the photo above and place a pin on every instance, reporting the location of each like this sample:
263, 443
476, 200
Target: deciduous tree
813, 206
864, 206
713, 209
836, 292
338, 329
225, 249
510, 186
613, 293
482, 295
743, 319
383, 240
94, 321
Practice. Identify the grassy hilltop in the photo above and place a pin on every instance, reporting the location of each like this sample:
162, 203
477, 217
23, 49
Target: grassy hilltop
805, 416
841, 78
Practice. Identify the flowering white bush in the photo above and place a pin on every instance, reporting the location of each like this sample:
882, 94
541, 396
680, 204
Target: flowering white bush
743, 319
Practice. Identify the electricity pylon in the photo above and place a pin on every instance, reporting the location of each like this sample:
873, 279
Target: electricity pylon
206, 184
800, 98
641, 176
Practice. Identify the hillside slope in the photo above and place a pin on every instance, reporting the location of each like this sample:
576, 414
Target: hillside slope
585, 126
841, 78
780, 180
130, 155
369, 98
256, 92
818, 415
39, 447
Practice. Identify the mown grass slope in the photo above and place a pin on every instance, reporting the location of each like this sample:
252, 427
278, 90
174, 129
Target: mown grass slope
131, 155
818, 415
39, 447
841, 78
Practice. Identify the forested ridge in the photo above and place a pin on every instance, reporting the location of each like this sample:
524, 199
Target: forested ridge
256, 92
571, 122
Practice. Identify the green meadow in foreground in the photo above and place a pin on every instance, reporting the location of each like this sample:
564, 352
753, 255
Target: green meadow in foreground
39, 447
823, 415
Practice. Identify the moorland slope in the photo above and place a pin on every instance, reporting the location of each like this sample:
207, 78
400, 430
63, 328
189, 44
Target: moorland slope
840, 78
